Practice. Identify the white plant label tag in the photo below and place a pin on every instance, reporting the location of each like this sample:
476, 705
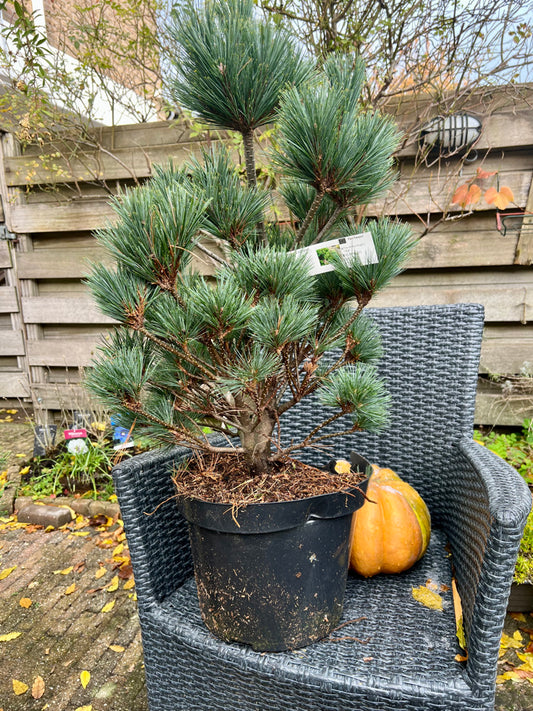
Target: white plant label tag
319, 255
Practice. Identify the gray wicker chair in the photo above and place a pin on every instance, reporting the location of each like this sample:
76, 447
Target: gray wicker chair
400, 655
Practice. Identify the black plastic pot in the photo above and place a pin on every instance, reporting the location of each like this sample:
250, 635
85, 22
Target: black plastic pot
272, 575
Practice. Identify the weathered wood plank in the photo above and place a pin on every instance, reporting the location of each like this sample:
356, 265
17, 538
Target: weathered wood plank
463, 247
122, 164
507, 295
5, 258
8, 299
69, 264
506, 349
57, 217
60, 396
71, 352
14, 385
524, 248
57, 309
495, 408
11, 343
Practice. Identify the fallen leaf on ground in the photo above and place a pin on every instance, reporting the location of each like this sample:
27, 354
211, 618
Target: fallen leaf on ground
79, 566
25, 602
9, 636
126, 571
129, 584
518, 616
116, 648
7, 571
109, 606
19, 687
514, 642
84, 708
427, 597
100, 572
80, 534
23, 471
85, 678
118, 550
460, 658
65, 571
70, 589
37, 689
113, 585
528, 661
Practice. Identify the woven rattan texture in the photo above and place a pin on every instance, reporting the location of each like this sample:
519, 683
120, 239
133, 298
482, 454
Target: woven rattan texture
430, 364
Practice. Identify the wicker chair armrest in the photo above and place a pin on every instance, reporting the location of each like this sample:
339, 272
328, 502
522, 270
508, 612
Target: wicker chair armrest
156, 532
485, 504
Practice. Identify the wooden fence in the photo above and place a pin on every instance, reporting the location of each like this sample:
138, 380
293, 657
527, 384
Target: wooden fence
49, 326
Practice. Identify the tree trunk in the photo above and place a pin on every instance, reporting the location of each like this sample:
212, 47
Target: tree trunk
256, 442
249, 159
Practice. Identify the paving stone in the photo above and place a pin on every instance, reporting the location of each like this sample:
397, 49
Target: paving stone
44, 515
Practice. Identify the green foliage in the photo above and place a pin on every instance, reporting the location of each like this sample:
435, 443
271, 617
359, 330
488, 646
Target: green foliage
233, 353
517, 449
231, 67
91, 467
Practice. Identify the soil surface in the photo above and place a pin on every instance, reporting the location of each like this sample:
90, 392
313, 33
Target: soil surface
227, 479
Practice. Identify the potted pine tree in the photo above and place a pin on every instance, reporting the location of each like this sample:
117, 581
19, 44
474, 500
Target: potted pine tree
218, 365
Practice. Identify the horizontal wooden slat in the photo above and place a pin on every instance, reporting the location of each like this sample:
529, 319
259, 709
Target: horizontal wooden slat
8, 300
422, 196
49, 264
507, 349
60, 396
506, 294
11, 343
122, 164
70, 352
58, 217
14, 385
495, 408
5, 259
463, 247
57, 309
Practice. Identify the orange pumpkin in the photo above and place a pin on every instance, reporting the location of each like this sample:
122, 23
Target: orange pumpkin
392, 534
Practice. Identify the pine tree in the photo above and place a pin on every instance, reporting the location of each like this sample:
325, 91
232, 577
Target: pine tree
232, 355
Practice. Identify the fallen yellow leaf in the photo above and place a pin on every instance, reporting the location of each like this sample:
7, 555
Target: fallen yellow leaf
460, 658
25, 470
113, 585
65, 571
85, 678
109, 606
513, 642
527, 658
37, 689
84, 708
116, 647
6, 572
70, 589
25, 602
11, 412
518, 616
129, 584
100, 572
80, 533
19, 687
118, 550
427, 597
9, 636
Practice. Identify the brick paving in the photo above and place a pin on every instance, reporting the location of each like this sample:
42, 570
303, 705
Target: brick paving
64, 633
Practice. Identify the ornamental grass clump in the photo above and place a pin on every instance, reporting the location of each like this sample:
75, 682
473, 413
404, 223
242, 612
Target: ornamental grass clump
215, 364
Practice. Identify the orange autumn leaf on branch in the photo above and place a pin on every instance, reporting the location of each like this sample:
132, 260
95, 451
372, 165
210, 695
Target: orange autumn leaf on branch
484, 174
499, 198
466, 195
